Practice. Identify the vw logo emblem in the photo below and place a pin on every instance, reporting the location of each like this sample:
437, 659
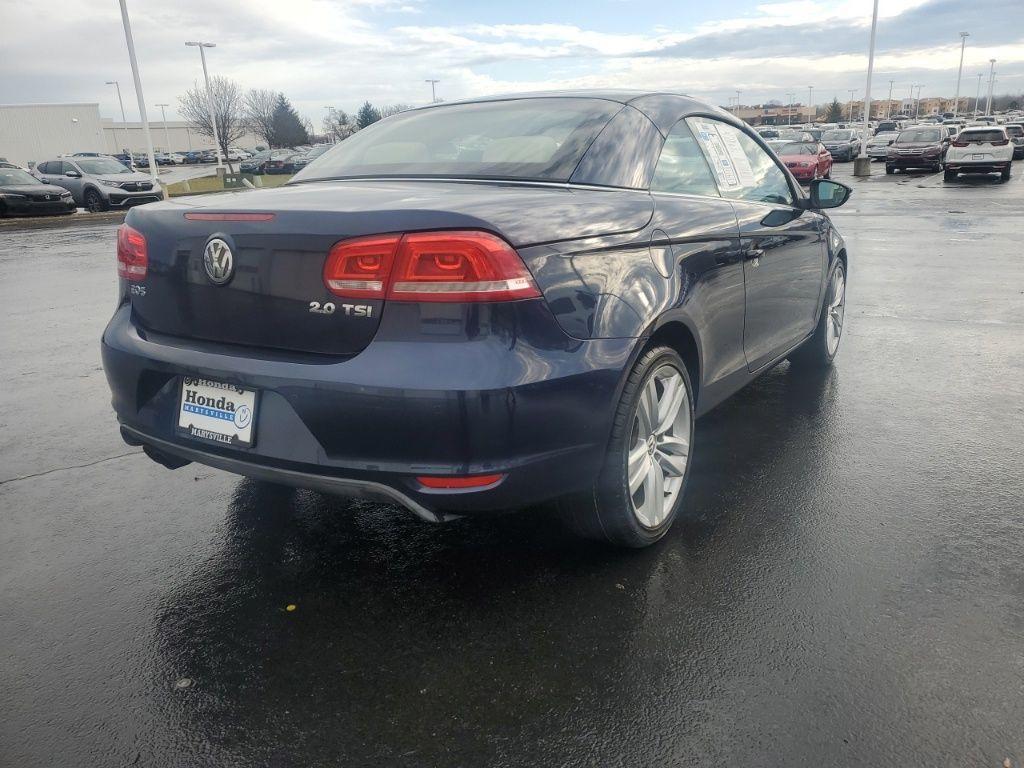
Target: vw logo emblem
219, 262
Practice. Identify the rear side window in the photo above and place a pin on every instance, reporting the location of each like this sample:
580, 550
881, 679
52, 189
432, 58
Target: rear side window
741, 168
624, 154
682, 167
538, 138
45, 167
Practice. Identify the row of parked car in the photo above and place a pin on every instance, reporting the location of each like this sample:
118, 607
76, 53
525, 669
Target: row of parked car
283, 161
949, 145
60, 185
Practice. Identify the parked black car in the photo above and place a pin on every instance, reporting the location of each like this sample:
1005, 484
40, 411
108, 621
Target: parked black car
476, 306
22, 193
918, 147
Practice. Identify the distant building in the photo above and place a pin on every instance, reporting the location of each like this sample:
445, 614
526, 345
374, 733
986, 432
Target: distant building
774, 114
32, 132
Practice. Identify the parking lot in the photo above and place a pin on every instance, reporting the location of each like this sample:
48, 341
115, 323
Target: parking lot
846, 586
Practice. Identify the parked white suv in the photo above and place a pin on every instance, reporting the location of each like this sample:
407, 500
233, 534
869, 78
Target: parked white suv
980, 149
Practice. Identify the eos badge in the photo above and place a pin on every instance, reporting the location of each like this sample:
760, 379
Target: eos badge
218, 261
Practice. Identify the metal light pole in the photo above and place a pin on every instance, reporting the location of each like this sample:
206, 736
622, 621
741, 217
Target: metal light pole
124, 122
862, 165
330, 114
433, 90
977, 94
888, 104
789, 111
917, 106
959, 72
167, 136
991, 85
138, 91
810, 102
851, 91
209, 97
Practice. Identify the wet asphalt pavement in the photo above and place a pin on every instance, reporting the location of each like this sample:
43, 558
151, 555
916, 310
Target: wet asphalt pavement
846, 587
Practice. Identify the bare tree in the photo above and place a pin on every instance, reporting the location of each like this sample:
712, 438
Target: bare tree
258, 107
227, 111
393, 109
338, 125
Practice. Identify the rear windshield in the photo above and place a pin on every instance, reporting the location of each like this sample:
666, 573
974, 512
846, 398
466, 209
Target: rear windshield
836, 135
542, 138
981, 137
795, 148
927, 134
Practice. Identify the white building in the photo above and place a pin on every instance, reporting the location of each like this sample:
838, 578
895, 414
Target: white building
33, 132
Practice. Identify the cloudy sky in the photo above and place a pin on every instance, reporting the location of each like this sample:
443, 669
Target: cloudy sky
342, 52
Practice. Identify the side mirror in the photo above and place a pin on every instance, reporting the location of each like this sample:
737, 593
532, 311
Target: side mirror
826, 193
73, 175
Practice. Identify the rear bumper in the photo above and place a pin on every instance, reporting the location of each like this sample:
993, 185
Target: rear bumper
966, 166
537, 410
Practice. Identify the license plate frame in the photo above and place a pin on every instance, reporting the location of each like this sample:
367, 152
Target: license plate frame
207, 415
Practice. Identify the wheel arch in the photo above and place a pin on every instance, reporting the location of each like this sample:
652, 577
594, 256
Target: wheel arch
675, 333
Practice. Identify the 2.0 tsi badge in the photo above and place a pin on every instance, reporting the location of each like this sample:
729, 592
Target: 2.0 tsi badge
219, 262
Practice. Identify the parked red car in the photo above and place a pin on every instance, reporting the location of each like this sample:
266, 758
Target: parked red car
806, 160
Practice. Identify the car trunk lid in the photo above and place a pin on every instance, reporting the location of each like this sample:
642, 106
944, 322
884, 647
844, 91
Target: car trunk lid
274, 295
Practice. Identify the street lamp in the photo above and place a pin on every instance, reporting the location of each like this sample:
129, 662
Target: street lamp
851, 91
862, 165
959, 72
124, 122
810, 103
137, 79
209, 97
167, 136
789, 111
917, 105
991, 85
888, 104
977, 94
433, 90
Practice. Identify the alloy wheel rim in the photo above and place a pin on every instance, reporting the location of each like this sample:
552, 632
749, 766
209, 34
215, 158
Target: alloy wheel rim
659, 446
836, 312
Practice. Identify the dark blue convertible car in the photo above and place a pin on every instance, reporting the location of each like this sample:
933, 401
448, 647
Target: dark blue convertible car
475, 306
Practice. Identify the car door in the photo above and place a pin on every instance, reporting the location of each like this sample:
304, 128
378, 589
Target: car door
696, 242
71, 183
782, 244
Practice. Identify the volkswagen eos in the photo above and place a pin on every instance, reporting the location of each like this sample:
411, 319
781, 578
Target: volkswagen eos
477, 306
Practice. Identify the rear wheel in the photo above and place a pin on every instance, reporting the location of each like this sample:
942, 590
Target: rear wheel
1005, 175
949, 175
890, 170
820, 350
640, 491
94, 201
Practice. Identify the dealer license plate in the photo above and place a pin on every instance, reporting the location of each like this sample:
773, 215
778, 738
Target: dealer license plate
217, 412
977, 157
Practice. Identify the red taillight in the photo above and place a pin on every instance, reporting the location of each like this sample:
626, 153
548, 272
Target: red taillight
1000, 143
132, 259
471, 481
359, 269
960, 144
459, 266
464, 266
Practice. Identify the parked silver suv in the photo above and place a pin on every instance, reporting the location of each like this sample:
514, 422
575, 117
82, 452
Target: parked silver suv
99, 183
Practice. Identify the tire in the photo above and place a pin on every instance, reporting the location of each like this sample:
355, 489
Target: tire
94, 201
609, 512
1005, 175
819, 350
949, 176
828, 173
889, 170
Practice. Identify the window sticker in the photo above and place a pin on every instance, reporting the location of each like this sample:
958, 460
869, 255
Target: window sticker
725, 155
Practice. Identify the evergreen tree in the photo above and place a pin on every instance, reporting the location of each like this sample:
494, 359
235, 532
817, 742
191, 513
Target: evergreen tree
288, 128
834, 112
367, 115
